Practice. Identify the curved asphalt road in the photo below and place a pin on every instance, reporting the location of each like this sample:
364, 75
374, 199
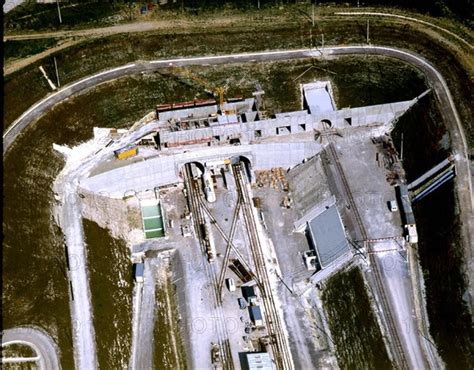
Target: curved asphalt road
437, 82
37, 339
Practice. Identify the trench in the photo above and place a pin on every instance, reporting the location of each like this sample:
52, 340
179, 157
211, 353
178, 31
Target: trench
440, 249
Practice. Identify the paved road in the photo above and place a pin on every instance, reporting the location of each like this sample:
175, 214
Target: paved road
438, 84
70, 219
144, 321
37, 339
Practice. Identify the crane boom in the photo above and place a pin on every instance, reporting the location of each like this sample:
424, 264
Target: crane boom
218, 92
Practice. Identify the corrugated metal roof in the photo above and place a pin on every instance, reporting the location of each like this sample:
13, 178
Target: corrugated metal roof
259, 360
255, 313
328, 236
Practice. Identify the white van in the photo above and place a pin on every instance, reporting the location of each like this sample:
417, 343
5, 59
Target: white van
392, 205
230, 284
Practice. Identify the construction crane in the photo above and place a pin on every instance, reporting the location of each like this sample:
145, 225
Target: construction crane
217, 92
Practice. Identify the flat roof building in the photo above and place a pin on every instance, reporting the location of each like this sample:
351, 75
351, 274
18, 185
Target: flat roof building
256, 315
248, 292
257, 361
327, 235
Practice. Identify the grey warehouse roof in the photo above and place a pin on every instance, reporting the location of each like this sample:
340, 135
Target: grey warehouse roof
327, 234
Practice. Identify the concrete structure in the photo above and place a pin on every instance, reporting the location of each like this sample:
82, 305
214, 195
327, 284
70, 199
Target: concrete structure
209, 135
152, 218
327, 235
9, 5
318, 97
236, 129
164, 170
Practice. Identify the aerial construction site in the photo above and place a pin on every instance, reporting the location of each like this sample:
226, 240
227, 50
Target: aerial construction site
237, 185
248, 215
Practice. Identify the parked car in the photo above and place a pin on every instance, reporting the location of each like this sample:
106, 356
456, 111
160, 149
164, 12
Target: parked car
230, 284
242, 303
392, 205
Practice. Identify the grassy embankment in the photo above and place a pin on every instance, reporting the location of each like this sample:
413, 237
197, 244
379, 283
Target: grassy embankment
169, 351
18, 350
30, 240
14, 49
354, 328
110, 276
426, 143
31, 16
118, 104
26, 86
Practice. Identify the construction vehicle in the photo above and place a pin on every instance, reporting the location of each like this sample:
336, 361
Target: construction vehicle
217, 92
208, 242
216, 356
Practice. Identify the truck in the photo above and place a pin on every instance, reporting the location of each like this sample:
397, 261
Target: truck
230, 284
392, 205
216, 356
411, 234
256, 315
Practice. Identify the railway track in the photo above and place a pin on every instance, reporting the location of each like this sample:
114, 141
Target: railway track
397, 348
279, 344
230, 243
199, 219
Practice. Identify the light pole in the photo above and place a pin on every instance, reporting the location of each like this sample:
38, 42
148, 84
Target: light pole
59, 12
57, 74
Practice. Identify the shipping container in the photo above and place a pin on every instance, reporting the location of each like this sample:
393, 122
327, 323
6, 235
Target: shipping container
127, 152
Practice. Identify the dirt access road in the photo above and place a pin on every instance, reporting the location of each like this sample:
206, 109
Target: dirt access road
73, 37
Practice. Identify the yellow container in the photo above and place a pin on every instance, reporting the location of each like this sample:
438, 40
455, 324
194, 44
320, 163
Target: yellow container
126, 153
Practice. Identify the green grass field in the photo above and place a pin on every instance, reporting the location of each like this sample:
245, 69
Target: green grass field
355, 331
110, 271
